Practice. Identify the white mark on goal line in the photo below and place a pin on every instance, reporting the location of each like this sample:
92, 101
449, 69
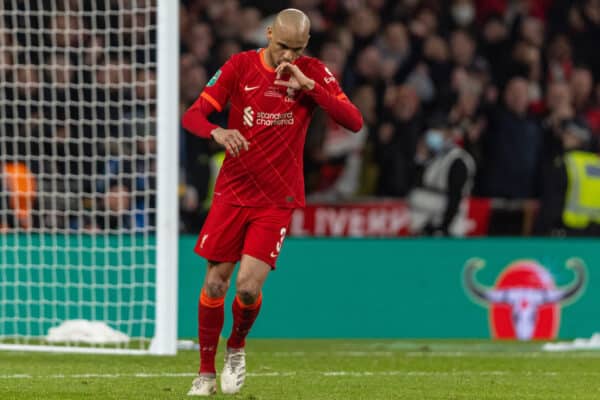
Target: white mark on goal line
317, 373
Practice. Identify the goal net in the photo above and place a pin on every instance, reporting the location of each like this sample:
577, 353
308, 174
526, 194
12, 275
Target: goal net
88, 173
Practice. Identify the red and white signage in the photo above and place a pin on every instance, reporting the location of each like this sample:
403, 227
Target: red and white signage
384, 218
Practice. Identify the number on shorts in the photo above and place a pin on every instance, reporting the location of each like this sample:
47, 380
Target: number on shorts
279, 243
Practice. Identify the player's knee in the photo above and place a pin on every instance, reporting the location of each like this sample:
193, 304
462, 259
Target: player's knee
247, 296
216, 288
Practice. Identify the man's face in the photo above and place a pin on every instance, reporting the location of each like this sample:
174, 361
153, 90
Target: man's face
582, 82
559, 95
516, 96
462, 48
286, 44
571, 141
407, 103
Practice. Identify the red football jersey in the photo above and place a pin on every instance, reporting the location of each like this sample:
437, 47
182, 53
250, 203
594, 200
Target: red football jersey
274, 120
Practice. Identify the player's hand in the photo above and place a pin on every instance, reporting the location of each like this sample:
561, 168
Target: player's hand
298, 80
233, 141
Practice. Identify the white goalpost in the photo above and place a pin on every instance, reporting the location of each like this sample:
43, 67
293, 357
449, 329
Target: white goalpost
89, 105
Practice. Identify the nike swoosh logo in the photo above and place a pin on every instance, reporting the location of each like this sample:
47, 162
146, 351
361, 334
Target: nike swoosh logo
249, 88
273, 255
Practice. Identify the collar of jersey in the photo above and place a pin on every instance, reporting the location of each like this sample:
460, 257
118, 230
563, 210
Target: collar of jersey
264, 63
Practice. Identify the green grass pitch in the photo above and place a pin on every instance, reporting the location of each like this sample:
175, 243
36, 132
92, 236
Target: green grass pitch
319, 369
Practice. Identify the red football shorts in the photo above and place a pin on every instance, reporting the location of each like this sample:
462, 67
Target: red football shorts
230, 231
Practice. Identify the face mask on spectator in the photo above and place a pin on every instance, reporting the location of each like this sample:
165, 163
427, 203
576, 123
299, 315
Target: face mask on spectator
463, 14
434, 140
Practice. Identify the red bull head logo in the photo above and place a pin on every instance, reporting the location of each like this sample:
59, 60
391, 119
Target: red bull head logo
524, 303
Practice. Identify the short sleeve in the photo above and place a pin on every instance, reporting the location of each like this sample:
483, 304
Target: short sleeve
220, 87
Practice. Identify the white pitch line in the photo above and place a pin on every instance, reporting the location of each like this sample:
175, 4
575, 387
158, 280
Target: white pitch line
410, 373
333, 353
460, 354
457, 354
318, 373
138, 375
491, 354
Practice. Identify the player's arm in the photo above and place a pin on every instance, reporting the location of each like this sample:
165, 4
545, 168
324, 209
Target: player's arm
331, 99
195, 120
213, 98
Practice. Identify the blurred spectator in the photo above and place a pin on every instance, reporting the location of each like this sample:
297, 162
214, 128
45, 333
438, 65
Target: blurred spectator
560, 61
395, 142
198, 42
192, 77
368, 66
144, 171
496, 48
559, 105
18, 196
252, 33
114, 209
446, 177
339, 156
533, 31
584, 21
512, 147
462, 48
394, 48
364, 24
582, 84
65, 182
463, 13
65, 29
333, 160
225, 15
570, 195
466, 117
585, 100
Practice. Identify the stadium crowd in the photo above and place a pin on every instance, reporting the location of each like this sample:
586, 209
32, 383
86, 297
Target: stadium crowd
78, 108
515, 84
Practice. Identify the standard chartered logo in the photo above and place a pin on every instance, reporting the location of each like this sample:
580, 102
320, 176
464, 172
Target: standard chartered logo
248, 116
267, 119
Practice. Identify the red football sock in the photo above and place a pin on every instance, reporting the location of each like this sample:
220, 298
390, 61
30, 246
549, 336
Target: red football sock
211, 314
244, 316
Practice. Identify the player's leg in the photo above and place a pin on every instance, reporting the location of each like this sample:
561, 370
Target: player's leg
211, 312
211, 315
221, 239
262, 244
246, 306
264, 238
